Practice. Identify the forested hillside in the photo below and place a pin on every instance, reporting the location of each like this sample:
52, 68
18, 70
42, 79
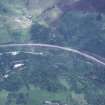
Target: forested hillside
66, 63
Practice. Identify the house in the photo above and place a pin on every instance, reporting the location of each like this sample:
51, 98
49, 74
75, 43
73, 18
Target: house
53, 102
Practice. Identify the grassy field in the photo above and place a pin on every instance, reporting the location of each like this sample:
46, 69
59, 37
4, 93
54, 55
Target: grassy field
3, 95
38, 96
